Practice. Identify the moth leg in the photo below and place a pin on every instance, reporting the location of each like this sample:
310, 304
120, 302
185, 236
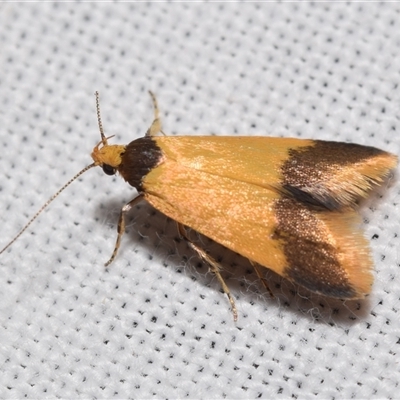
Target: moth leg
260, 276
155, 127
121, 226
215, 267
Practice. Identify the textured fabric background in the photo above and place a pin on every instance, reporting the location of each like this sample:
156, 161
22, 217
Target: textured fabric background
155, 324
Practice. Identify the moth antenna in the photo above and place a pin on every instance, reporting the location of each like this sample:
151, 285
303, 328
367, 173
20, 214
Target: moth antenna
103, 136
45, 205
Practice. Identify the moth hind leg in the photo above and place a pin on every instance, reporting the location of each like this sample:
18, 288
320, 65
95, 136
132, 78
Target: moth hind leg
261, 277
214, 265
155, 126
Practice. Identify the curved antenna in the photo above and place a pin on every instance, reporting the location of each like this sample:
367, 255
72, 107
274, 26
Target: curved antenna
45, 205
103, 140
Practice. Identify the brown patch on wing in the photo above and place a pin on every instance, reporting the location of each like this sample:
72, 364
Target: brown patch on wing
322, 251
334, 175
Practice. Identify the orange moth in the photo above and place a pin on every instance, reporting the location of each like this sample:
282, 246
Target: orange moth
286, 204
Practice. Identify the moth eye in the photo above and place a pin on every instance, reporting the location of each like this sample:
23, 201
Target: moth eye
108, 169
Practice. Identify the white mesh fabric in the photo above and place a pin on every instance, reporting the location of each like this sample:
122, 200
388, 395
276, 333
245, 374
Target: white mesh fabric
155, 324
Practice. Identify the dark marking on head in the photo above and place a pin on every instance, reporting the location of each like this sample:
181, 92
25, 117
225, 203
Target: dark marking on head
139, 158
312, 260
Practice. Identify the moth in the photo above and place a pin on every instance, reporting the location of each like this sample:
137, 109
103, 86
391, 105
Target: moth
286, 204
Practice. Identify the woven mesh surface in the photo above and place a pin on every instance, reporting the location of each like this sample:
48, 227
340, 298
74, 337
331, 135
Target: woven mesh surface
155, 323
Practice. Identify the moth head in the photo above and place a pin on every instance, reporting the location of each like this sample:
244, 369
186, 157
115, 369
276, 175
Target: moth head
108, 156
